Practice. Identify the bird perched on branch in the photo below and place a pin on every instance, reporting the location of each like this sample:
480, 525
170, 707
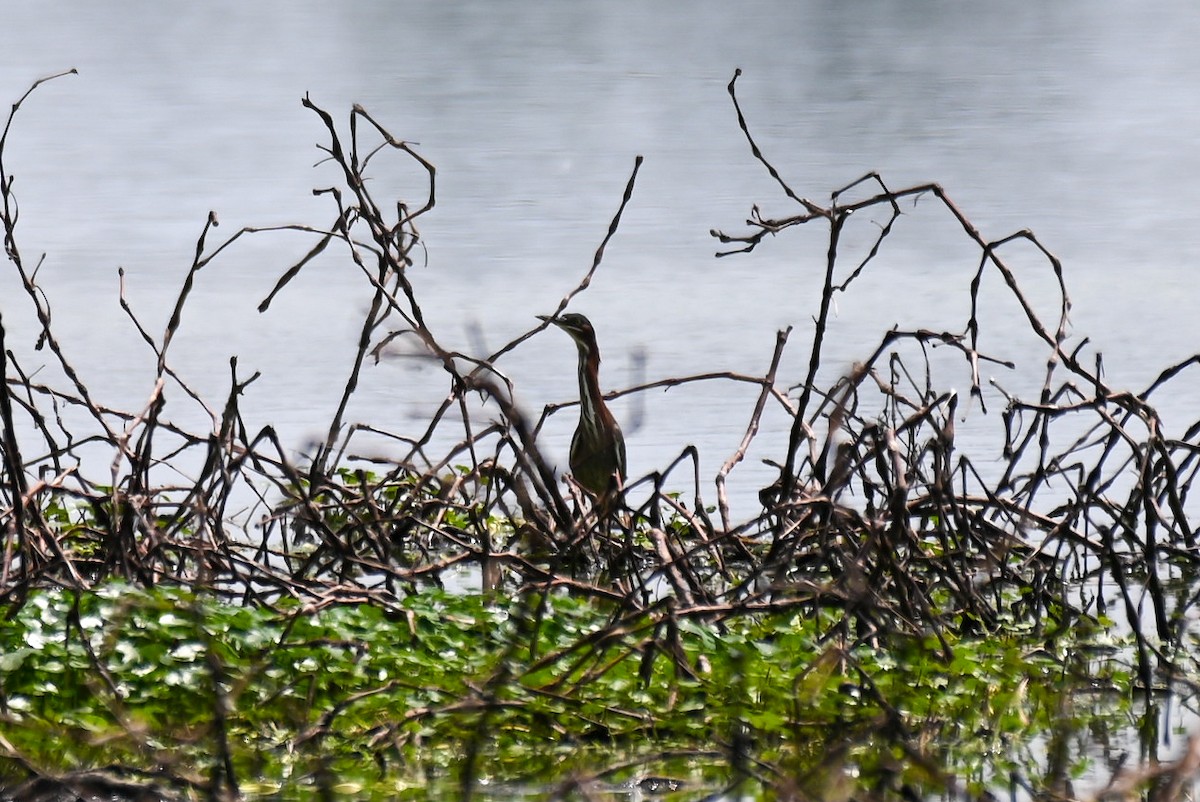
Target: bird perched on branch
598, 447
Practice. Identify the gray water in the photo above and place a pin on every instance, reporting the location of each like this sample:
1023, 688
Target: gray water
1077, 119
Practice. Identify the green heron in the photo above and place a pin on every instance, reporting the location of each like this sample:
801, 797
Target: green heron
598, 447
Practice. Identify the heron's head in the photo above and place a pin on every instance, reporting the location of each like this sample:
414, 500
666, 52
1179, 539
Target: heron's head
578, 326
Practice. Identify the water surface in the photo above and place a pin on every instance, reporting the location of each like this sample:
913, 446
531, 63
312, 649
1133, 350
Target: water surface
1074, 119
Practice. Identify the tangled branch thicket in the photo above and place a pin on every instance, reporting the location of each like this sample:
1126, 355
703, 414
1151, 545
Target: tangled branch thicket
876, 519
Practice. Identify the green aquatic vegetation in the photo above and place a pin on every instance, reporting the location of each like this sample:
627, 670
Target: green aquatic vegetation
545, 688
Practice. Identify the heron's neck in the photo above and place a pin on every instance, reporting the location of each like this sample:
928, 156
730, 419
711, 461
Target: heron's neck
591, 402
